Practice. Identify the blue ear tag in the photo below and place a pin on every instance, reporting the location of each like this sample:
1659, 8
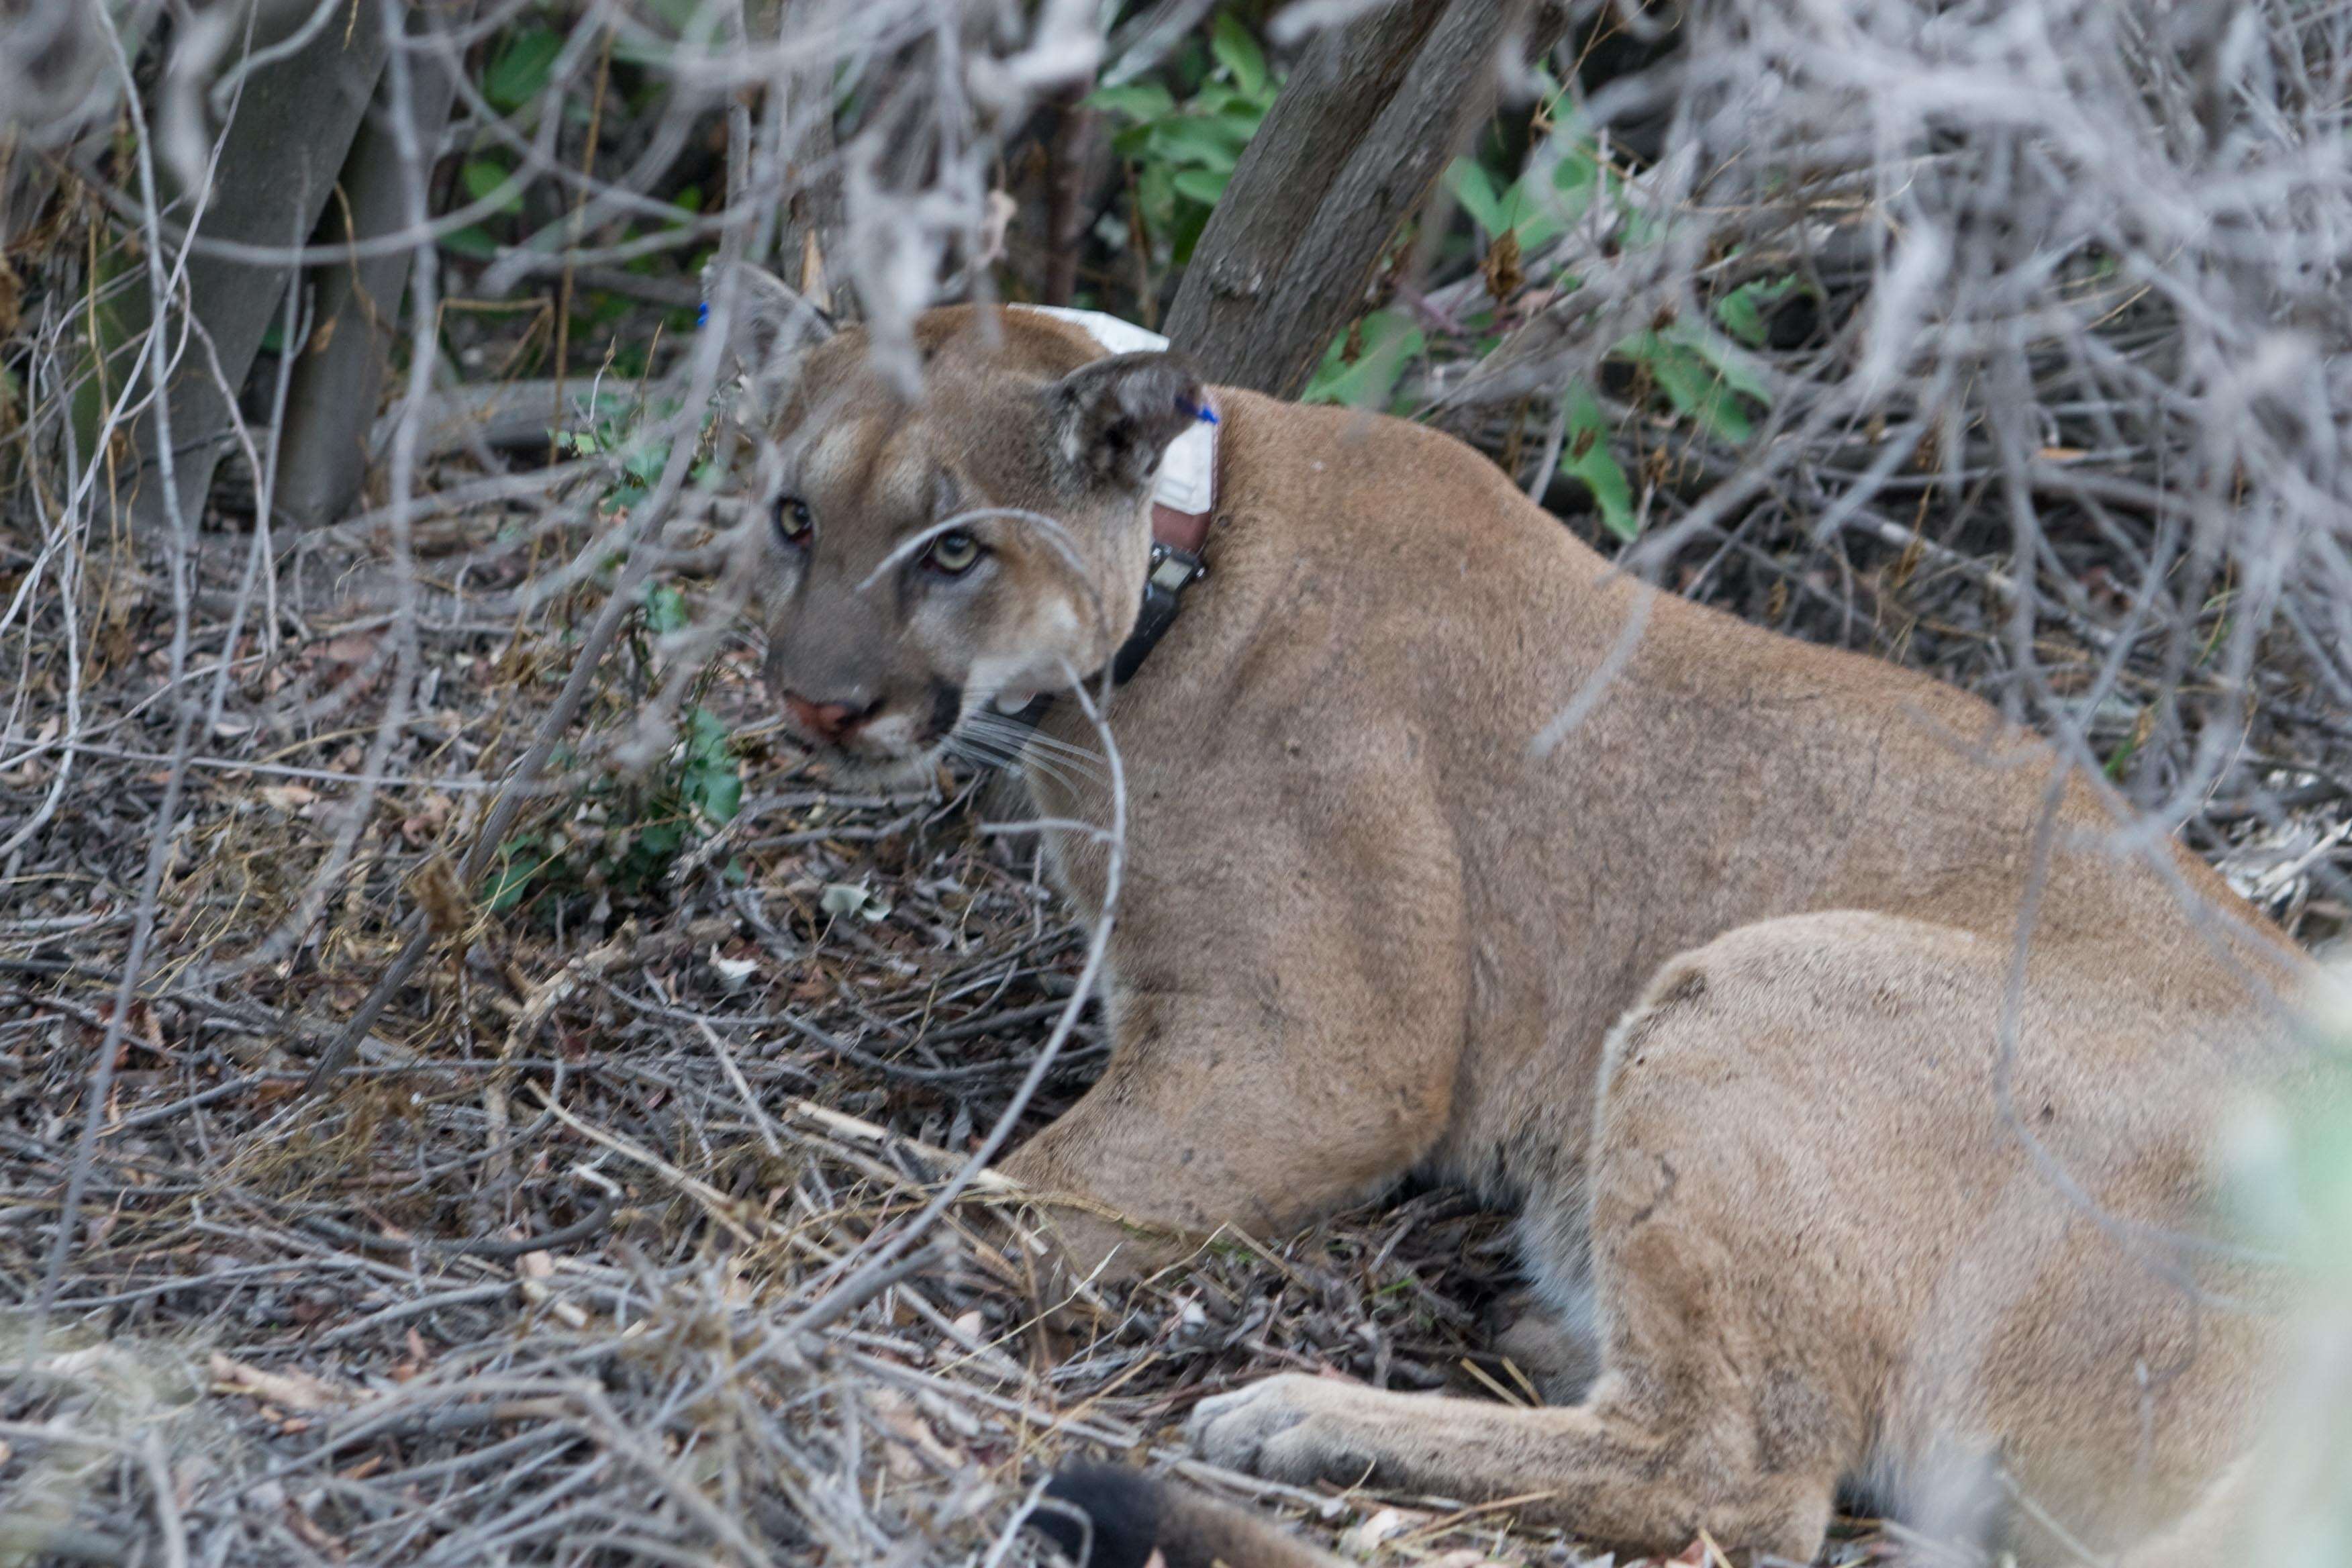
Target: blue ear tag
1203, 411
702, 314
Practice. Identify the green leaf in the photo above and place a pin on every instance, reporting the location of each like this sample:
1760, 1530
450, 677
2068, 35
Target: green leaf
1239, 123
1155, 196
1534, 228
482, 177
1188, 140
706, 735
646, 461
723, 797
518, 71
1217, 98
1528, 213
1390, 342
1697, 387
1475, 189
1142, 101
518, 864
713, 783
1576, 175
471, 240
1738, 371
1203, 185
1737, 312
666, 610
1586, 457
1238, 53
1741, 312
1184, 230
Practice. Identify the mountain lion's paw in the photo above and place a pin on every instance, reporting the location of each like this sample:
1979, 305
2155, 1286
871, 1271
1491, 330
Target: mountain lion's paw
1291, 1427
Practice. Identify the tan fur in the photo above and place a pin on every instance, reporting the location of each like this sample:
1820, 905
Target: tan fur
1818, 1211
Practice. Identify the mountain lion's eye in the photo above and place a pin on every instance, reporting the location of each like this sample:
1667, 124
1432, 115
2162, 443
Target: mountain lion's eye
793, 519
953, 552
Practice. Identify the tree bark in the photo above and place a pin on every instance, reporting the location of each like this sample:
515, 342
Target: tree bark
811, 217
293, 127
1352, 146
338, 382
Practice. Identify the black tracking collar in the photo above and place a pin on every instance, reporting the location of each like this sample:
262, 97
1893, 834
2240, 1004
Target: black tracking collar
1172, 571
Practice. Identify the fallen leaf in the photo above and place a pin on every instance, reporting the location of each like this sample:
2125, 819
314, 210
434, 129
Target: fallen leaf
1381, 1526
348, 650
289, 798
1501, 269
734, 972
849, 899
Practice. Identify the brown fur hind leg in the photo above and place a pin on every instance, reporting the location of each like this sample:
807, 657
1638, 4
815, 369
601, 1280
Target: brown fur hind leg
1104, 1517
1722, 1403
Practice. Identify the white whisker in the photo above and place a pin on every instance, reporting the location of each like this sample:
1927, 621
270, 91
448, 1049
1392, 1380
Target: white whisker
1044, 753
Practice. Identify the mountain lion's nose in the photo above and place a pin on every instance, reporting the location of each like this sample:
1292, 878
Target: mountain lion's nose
834, 722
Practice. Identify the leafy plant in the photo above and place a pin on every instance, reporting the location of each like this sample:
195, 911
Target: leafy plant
623, 834
622, 837
1741, 312
520, 70
1362, 367
1703, 377
1585, 456
1556, 188
1181, 153
631, 436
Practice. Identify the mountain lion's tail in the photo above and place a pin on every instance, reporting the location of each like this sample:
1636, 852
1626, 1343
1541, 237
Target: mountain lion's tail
1133, 1515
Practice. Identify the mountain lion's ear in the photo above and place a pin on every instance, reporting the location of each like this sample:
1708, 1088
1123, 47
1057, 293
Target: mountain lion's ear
768, 326
1112, 419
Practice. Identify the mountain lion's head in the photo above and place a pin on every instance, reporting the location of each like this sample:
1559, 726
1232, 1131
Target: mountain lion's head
930, 558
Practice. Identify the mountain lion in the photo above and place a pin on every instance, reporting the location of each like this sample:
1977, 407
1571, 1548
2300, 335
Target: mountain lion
1852, 1074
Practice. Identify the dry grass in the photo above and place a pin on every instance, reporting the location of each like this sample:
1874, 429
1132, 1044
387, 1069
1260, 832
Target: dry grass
576, 1262
529, 1279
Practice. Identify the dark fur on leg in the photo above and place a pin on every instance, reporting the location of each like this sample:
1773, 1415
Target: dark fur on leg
1132, 1515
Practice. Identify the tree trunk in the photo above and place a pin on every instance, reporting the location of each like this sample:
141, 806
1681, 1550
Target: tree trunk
293, 127
810, 219
1351, 147
338, 382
